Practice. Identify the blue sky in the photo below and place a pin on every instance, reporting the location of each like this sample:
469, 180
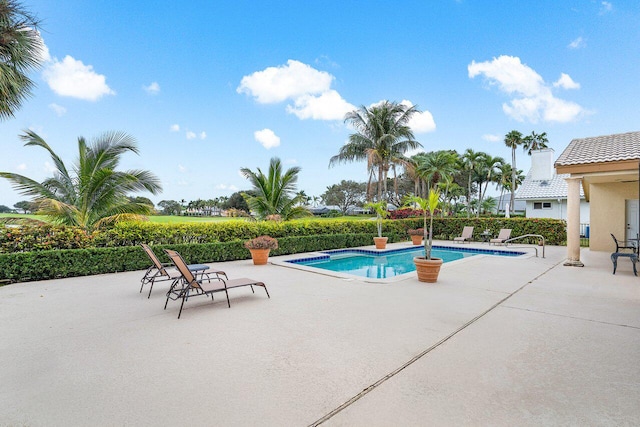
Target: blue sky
207, 88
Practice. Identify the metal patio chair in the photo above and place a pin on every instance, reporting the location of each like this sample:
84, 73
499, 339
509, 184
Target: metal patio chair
159, 272
188, 285
467, 235
505, 234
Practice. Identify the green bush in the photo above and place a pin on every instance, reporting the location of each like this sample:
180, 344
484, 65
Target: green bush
52, 264
48, 237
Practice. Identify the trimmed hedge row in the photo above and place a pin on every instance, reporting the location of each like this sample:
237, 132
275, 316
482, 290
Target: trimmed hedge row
53, 264
50, 237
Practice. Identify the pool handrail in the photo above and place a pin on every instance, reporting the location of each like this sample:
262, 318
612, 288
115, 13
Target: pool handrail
528, 235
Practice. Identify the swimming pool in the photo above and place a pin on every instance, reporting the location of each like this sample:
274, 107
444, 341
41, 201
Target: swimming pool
386, 264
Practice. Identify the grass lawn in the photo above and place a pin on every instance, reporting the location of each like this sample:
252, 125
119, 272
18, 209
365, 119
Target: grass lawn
166, 219
172, 219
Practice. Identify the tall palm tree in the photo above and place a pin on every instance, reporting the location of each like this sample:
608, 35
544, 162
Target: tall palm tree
469, 161
275, 192
535, 141
95, 193
489, 168
382, 138
513, 140
21, 52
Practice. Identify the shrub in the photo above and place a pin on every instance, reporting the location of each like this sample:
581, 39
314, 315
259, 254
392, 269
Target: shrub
261, 242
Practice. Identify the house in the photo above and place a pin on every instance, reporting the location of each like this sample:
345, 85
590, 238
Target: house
545, 192
504, 200
608, 170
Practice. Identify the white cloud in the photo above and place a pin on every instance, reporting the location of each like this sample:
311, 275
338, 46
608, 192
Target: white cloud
577, 43
267, 138
174, 128
21, 167
43, 50
152, 89
606, 7
420, 122
532, 98
276, 84
70, 77
182, 169
566, 82
203, 135
308, 89
226, 187
191, 135
327, 106
491, 137
58, 109
48, 167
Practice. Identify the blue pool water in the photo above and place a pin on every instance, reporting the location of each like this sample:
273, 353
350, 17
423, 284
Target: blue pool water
385, 264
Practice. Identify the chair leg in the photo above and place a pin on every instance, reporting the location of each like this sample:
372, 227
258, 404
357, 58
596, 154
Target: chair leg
150, 289
265, 289
228, 302
182, 304
252, 289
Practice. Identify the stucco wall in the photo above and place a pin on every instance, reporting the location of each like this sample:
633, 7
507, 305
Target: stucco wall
558, 210
608, 213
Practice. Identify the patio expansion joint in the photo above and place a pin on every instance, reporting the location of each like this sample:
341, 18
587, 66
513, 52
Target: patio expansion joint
423, 353
572, 317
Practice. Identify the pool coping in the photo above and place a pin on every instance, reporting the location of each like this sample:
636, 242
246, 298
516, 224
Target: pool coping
287, 261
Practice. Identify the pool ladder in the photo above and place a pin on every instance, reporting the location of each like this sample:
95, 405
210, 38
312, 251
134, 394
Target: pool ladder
528, 235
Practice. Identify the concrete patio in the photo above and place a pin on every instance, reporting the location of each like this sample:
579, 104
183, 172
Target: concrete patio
497, 341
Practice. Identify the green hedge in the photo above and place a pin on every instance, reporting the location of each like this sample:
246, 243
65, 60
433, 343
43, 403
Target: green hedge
52, 264
50, 237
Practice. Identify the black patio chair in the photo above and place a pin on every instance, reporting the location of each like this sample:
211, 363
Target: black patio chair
622, 244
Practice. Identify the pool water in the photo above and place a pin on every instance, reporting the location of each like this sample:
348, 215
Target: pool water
385, 264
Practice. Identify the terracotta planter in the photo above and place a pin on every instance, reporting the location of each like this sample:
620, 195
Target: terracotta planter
259, 256
427, 269
381, 242
416, 239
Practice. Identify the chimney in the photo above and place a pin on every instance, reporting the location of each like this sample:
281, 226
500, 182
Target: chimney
542, 165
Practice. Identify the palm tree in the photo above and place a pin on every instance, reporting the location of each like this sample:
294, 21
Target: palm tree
469, 161
535, 141
275, 192
96, 193
489, 169
513, 140
435, 166
21, 52
382, 137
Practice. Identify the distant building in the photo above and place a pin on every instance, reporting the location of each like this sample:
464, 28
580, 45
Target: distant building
545, 192
503, 203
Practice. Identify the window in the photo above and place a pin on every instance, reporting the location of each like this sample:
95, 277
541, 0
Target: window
541, 205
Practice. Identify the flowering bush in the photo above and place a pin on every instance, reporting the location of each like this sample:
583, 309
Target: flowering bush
416, 231
262, 242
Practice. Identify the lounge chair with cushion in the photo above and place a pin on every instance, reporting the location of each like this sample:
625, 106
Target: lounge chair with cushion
188, 285
159, 272
467, 235
505, 234
621, 244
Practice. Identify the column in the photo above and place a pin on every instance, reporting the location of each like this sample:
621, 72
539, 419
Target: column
573, 222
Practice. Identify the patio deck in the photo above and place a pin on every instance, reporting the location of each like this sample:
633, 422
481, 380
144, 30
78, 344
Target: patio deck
497, 341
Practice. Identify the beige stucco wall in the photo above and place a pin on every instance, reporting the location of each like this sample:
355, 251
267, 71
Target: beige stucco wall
607, 207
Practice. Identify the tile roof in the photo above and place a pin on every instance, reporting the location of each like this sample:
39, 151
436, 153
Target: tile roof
601, 149
555, 188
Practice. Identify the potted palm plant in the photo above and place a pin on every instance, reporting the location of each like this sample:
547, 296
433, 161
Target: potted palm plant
380, 208
260, 248
427, 267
